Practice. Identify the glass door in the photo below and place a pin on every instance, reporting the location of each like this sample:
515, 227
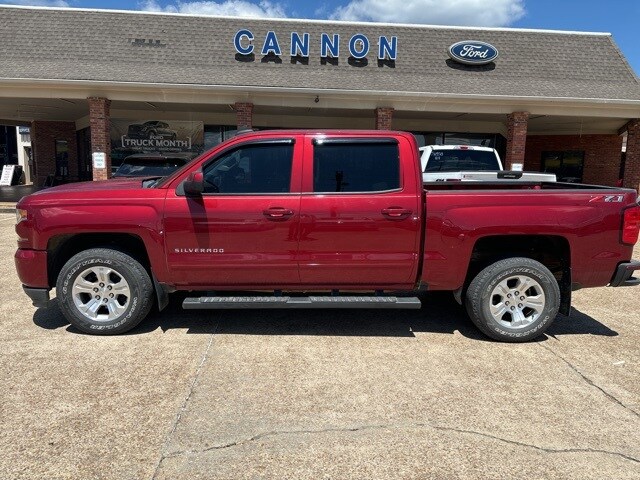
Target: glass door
85, 171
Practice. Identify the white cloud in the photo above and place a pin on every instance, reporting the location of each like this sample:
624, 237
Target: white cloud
235, 8
38, 3
479, 13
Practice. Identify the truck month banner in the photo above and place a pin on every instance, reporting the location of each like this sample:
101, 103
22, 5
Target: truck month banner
139, 136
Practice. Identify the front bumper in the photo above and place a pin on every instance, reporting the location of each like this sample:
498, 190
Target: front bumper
624, 275
31, 266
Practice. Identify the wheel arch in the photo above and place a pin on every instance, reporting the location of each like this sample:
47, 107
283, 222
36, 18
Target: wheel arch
62, 247
553, 251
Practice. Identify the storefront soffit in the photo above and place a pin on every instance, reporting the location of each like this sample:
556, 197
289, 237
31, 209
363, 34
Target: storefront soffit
24, 110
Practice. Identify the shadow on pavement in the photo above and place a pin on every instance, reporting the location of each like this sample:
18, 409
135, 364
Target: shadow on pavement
579, 323
440, 314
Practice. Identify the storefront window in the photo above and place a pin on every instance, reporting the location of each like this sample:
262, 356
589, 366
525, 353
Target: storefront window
216, 134
567, 165
425, 139
154, 136
8, 146
83, 139
473, 139
62, 158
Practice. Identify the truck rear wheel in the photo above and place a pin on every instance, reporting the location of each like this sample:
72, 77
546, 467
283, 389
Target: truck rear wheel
103, 291
513, 300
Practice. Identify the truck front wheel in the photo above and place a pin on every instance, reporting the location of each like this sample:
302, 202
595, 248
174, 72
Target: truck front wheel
104, 291
513, 300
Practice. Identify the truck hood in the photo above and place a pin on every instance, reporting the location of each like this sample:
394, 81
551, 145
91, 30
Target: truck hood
115, 184
80, 189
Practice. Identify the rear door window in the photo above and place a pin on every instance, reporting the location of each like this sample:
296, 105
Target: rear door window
355, 166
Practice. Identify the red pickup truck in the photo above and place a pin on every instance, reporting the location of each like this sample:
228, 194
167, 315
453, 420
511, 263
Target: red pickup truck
329, 219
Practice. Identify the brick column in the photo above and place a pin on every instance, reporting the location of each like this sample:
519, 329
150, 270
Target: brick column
384, 117
244, 115
43, 142
100, 133
517, 123
632, 163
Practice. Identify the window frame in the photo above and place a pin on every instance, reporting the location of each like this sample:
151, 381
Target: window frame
319, 141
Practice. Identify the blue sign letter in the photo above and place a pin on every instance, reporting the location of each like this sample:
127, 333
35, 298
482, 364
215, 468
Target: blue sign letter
353, 46
388, 48
327, 44
271, 44
236, 41
299, 44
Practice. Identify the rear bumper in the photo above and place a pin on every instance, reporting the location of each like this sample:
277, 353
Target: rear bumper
39, 296
624, 275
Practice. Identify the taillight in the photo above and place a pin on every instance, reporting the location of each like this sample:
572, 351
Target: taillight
631, 225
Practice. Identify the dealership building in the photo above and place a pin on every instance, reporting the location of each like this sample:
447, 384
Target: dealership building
95, 86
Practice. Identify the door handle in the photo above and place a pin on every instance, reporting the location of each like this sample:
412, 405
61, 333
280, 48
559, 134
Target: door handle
396, 213
277, 213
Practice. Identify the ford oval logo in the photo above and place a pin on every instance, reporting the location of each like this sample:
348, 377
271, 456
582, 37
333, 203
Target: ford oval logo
472, 52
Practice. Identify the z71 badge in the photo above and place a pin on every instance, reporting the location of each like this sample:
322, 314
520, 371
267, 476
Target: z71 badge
608, 199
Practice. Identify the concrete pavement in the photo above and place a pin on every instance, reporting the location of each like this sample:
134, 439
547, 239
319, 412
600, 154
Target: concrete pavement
318, 394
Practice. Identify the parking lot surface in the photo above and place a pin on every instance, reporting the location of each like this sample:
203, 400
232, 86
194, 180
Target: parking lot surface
318, 394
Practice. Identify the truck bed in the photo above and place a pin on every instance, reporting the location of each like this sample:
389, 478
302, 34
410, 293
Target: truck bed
504, 184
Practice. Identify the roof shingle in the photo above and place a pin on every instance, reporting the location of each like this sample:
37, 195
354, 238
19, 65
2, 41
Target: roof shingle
70, 44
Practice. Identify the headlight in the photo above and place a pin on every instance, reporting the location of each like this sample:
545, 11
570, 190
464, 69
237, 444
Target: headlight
21, 214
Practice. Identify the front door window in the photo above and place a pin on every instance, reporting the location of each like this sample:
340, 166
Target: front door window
251, 169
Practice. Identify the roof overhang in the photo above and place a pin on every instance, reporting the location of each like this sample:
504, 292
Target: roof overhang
301, 97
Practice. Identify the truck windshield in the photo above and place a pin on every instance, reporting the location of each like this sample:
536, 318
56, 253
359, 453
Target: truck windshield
461, 160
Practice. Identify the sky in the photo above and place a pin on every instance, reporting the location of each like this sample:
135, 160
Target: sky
619, 17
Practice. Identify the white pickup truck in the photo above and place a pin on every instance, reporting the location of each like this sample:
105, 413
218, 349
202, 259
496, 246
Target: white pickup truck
456, 163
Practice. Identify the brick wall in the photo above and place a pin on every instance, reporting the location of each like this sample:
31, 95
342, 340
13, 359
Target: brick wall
632, 164
43, 144
99, 120
602, 154
244, 115
384, 118
517, 125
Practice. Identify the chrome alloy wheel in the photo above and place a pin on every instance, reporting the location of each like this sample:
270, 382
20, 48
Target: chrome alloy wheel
517, 301
101, 294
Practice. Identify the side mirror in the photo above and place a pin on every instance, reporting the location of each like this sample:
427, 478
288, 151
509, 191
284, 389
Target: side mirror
194, 184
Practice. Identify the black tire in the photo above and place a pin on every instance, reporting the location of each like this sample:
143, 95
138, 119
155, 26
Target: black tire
135, 301
484, 293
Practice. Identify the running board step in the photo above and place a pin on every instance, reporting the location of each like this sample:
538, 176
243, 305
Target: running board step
194, 303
